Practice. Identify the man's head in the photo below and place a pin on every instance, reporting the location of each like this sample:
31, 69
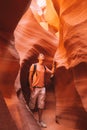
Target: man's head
41, 57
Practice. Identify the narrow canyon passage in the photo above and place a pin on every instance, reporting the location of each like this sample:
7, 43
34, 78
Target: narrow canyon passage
57, 28
49, 114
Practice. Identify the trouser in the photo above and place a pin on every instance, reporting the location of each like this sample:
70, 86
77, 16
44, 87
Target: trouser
39, 95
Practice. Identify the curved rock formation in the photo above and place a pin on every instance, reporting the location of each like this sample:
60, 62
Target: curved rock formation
13, 111
59, 31
71, 58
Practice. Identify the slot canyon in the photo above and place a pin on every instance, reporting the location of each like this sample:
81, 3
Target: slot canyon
58, 29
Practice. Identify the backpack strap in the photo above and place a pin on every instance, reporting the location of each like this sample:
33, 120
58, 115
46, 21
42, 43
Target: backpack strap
44, 67
34, 69
44, 76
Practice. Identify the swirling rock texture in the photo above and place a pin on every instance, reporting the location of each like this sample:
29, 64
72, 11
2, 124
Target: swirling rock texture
69, 19
13, 112
71, 58
35, 40
57, 29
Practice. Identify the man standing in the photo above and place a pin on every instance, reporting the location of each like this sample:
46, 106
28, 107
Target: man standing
37, 86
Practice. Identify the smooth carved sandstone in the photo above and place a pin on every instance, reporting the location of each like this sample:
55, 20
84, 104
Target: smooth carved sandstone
61, 33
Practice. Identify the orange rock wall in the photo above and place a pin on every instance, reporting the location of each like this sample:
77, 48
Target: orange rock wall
68, 49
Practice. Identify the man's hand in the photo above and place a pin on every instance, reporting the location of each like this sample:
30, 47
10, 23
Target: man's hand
53, 67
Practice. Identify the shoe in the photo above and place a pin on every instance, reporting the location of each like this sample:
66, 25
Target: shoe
57, 119
42, 124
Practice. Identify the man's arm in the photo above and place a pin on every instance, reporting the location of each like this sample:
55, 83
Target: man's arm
31, 77
52, 71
